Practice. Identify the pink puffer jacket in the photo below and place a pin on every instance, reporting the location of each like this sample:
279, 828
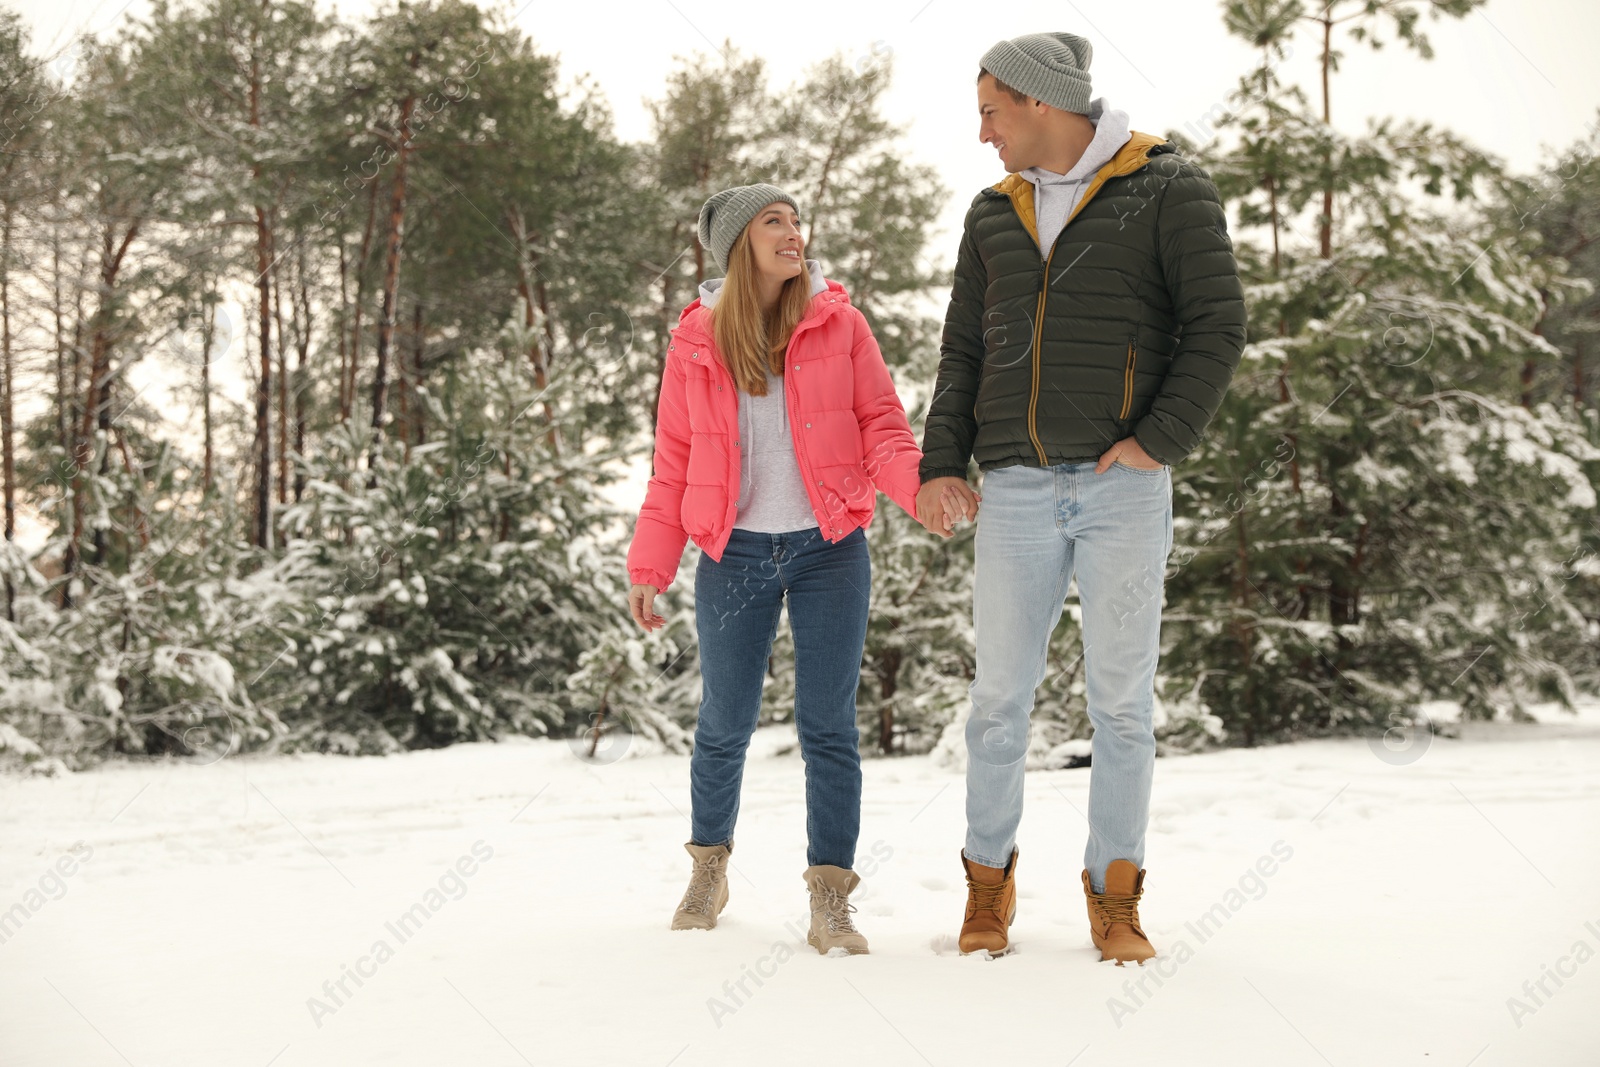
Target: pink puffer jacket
851, 436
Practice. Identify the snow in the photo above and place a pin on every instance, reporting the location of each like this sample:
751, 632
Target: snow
1338, 902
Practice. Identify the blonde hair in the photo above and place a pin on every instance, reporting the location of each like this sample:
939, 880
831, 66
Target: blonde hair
753, 342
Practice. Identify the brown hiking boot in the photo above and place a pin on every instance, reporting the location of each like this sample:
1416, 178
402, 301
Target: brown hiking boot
1114, 915
991, 906
831, 925
707, 894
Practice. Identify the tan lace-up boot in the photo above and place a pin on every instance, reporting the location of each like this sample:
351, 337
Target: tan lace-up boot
1114, 915
707, 894
991, 906
831, 925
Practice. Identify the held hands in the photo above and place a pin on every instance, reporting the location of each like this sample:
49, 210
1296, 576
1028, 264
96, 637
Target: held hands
642, 606
942, 501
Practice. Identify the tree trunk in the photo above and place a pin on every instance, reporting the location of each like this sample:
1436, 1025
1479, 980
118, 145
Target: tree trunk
264, 239
7, 383
64, 391
283, 383
361, 296
888, 685
1326, 229
138, 520
97, 417
69, 399
391, 275
1344, 591
208, 338
419, 417
263, 441
1344, 594
302, 316
342, 324
1285, 394
531, 287
96, 410
542, 292
402, 400
1244, 630
75, 384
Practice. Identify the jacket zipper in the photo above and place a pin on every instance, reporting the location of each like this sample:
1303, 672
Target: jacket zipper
1038, 336
1127, 384
792, 401
1038, 325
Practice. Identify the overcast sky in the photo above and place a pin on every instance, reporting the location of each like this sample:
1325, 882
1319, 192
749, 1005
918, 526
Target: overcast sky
1515, 79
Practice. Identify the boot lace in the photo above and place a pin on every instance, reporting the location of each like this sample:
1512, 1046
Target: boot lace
837, 907
1118, 907
984, 897
702, 883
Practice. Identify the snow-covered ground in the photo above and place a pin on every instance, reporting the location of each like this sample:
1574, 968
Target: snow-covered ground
1321, 903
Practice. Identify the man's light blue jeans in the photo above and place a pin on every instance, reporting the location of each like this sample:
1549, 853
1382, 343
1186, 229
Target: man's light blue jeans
1037, 528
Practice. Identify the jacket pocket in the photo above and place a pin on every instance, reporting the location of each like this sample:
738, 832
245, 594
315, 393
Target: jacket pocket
1127, 378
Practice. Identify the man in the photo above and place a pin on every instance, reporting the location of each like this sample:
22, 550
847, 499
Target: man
1095, 322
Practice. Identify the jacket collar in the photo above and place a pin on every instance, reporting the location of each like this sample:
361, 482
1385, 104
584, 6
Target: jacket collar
1130, 158
711, 288
1111, 132
694, 324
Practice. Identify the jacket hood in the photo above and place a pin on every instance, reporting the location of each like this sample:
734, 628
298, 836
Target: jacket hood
1111, 131
1130, 158
824, 292
711, 288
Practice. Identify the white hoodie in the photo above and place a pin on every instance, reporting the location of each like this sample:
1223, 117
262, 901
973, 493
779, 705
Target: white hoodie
1056, 195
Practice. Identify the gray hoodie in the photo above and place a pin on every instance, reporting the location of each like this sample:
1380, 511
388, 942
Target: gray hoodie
772, 492
1056, 195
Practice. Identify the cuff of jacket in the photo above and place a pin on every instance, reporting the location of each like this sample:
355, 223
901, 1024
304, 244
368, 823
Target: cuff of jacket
943, 472
1158, 446
645, 576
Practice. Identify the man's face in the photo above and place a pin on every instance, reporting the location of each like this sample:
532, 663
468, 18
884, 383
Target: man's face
1012, 128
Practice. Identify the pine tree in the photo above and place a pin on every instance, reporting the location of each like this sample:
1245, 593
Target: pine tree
1371, 515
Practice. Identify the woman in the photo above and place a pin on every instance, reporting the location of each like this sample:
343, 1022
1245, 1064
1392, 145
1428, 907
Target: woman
776, 426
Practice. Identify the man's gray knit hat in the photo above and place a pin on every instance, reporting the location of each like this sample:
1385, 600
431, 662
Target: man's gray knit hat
725, 215
1053, 67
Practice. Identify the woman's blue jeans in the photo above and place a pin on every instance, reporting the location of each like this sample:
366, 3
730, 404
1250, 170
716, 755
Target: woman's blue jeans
737, 601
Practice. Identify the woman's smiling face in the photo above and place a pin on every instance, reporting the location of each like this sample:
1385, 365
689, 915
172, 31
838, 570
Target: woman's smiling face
777, 244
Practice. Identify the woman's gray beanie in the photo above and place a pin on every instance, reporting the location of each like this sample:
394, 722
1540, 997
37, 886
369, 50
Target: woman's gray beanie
725, 215
1053, 67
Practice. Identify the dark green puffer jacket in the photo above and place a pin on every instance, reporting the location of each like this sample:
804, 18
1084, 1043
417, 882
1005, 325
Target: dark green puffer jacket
1138, 332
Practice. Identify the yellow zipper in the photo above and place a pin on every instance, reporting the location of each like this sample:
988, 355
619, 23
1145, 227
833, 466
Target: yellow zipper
1101, 178
1038, 335
1127, 385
